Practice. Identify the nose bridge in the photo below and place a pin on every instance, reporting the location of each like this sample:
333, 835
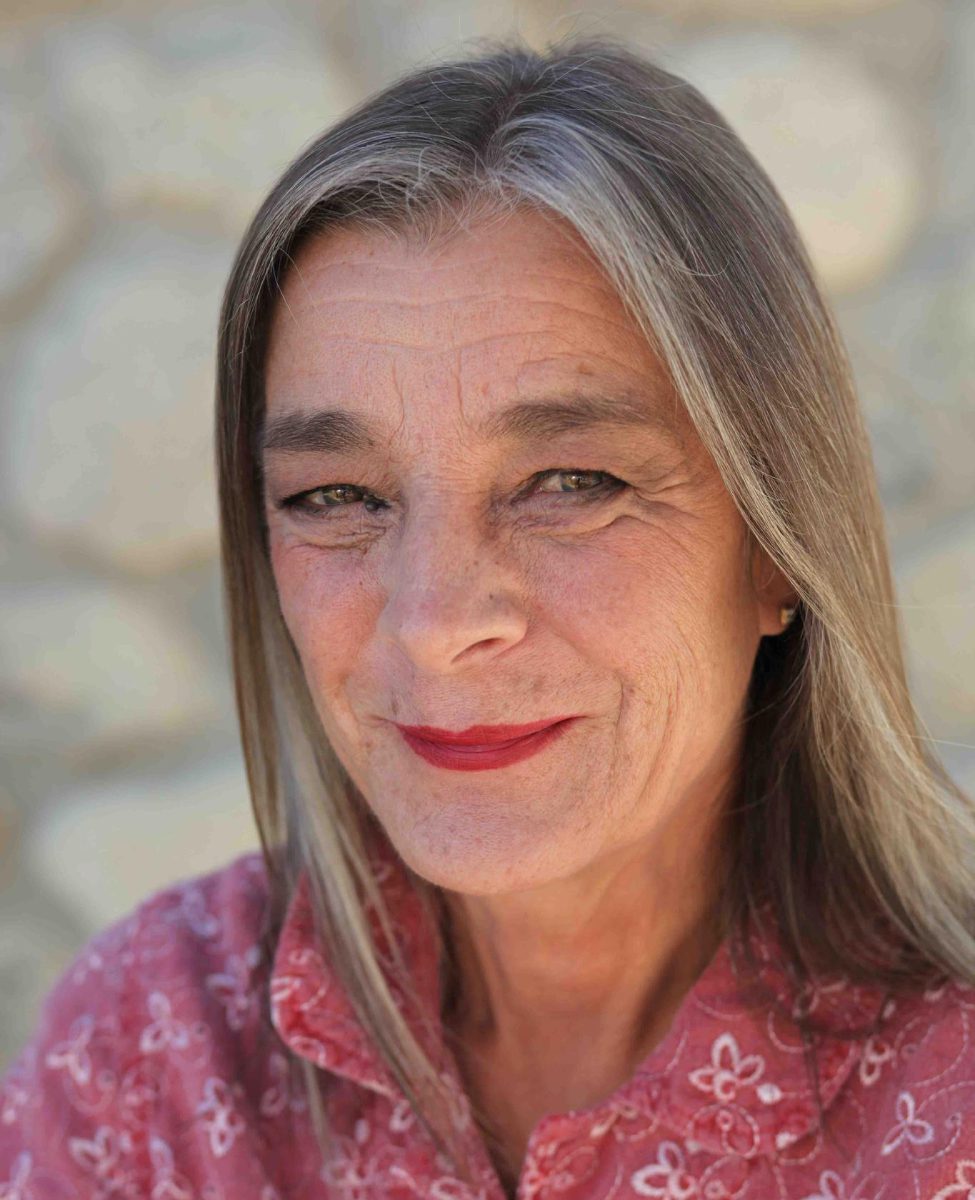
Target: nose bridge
449, 588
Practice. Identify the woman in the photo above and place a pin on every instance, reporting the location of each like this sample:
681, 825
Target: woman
602, 856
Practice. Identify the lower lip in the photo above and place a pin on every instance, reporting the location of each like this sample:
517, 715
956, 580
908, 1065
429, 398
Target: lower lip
485, 758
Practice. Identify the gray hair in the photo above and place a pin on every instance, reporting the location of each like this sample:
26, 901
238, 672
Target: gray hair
847, 827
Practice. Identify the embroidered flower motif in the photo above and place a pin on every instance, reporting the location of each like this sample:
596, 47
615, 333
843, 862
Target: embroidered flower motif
402, 1117
233, 986
16, 1187
667, 1177
629, 1119
728, 1086
103, 1156
167, 1183
556, 1166
137, 1092
963, 1187
446, 1188
812, 992
286, 989
222, 1123
356, 1170
831, 1187
729, 1070
876, 1051
192, 912
72, 1055
13, 1098
165, 1030
909, 1126
276, 1098
731, 1126
89, 962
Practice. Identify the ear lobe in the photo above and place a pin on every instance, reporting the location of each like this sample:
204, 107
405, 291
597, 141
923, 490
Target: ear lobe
773, 591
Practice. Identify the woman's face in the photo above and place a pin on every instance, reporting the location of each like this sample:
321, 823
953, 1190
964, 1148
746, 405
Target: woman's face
451, 568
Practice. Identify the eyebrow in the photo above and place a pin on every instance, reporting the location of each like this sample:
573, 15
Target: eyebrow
337, 430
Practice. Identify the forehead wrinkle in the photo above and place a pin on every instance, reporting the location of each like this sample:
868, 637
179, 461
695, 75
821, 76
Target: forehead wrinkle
338, 430
294, 277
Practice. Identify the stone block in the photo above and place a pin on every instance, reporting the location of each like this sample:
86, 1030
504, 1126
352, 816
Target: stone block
102, 847
832, 140
110, 669
108, 444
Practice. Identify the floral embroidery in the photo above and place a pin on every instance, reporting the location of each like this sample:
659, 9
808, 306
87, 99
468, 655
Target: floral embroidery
14, 1096
963, 1187
629, 1120
72, 1054
554, 1166
164, 1030
106, 1157
192, 912
729, 1070
876, 1052
831, 1187
814, 992
354, 1172
233, 986
168, 1183
160, 1071
278, 1097
222, 1123
15, 1188
668, 1176
909, 1126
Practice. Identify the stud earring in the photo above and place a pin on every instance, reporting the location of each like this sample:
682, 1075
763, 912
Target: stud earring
787, 614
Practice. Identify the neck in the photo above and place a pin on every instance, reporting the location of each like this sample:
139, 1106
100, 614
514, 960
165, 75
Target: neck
601, 960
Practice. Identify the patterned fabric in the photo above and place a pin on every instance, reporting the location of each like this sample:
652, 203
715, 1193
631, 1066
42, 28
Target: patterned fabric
151, 1076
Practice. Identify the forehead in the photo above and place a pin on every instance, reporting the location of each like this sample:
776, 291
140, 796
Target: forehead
522, 250
501, 310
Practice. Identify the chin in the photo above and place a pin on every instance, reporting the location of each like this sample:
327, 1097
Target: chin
484, 858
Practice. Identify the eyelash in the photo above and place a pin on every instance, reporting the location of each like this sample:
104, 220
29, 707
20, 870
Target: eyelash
609, 486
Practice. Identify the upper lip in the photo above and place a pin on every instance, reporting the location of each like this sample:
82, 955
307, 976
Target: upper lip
478, 735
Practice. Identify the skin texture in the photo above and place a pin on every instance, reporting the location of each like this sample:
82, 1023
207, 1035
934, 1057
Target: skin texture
582, 879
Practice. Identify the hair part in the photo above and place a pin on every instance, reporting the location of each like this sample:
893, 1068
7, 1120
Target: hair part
847, 829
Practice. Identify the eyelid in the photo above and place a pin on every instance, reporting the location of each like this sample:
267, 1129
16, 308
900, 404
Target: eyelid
609, 485
609, 479
296, 500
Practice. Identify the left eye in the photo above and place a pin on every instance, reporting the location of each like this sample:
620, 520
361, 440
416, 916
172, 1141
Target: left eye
585, 483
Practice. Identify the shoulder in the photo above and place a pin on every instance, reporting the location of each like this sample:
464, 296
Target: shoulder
172, 979
916, 1089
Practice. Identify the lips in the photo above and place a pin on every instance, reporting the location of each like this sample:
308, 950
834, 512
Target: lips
479, 735
482, 747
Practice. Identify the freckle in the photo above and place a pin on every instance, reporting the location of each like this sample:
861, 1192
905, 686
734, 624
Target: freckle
584, 369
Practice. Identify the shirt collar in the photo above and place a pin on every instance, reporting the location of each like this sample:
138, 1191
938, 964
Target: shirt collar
730, 1075
311, 1010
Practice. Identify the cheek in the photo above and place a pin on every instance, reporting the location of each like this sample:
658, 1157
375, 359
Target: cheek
322, 598
633, 593
665, 613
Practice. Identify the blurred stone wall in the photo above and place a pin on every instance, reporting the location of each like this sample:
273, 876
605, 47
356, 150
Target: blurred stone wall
136, 140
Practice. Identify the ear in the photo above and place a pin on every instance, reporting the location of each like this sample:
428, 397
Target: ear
772, 591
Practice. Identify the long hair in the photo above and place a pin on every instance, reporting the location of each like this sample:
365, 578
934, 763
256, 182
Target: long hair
847, 827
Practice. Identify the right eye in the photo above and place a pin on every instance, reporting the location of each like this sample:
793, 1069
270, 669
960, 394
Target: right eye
343, 495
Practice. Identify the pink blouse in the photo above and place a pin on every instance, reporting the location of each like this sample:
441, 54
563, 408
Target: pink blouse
151, 1076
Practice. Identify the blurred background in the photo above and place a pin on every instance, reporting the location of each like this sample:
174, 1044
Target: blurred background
136, 140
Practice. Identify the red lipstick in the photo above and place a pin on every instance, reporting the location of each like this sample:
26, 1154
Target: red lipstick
482, 747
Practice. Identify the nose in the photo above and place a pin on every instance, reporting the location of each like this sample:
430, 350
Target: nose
452, 599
